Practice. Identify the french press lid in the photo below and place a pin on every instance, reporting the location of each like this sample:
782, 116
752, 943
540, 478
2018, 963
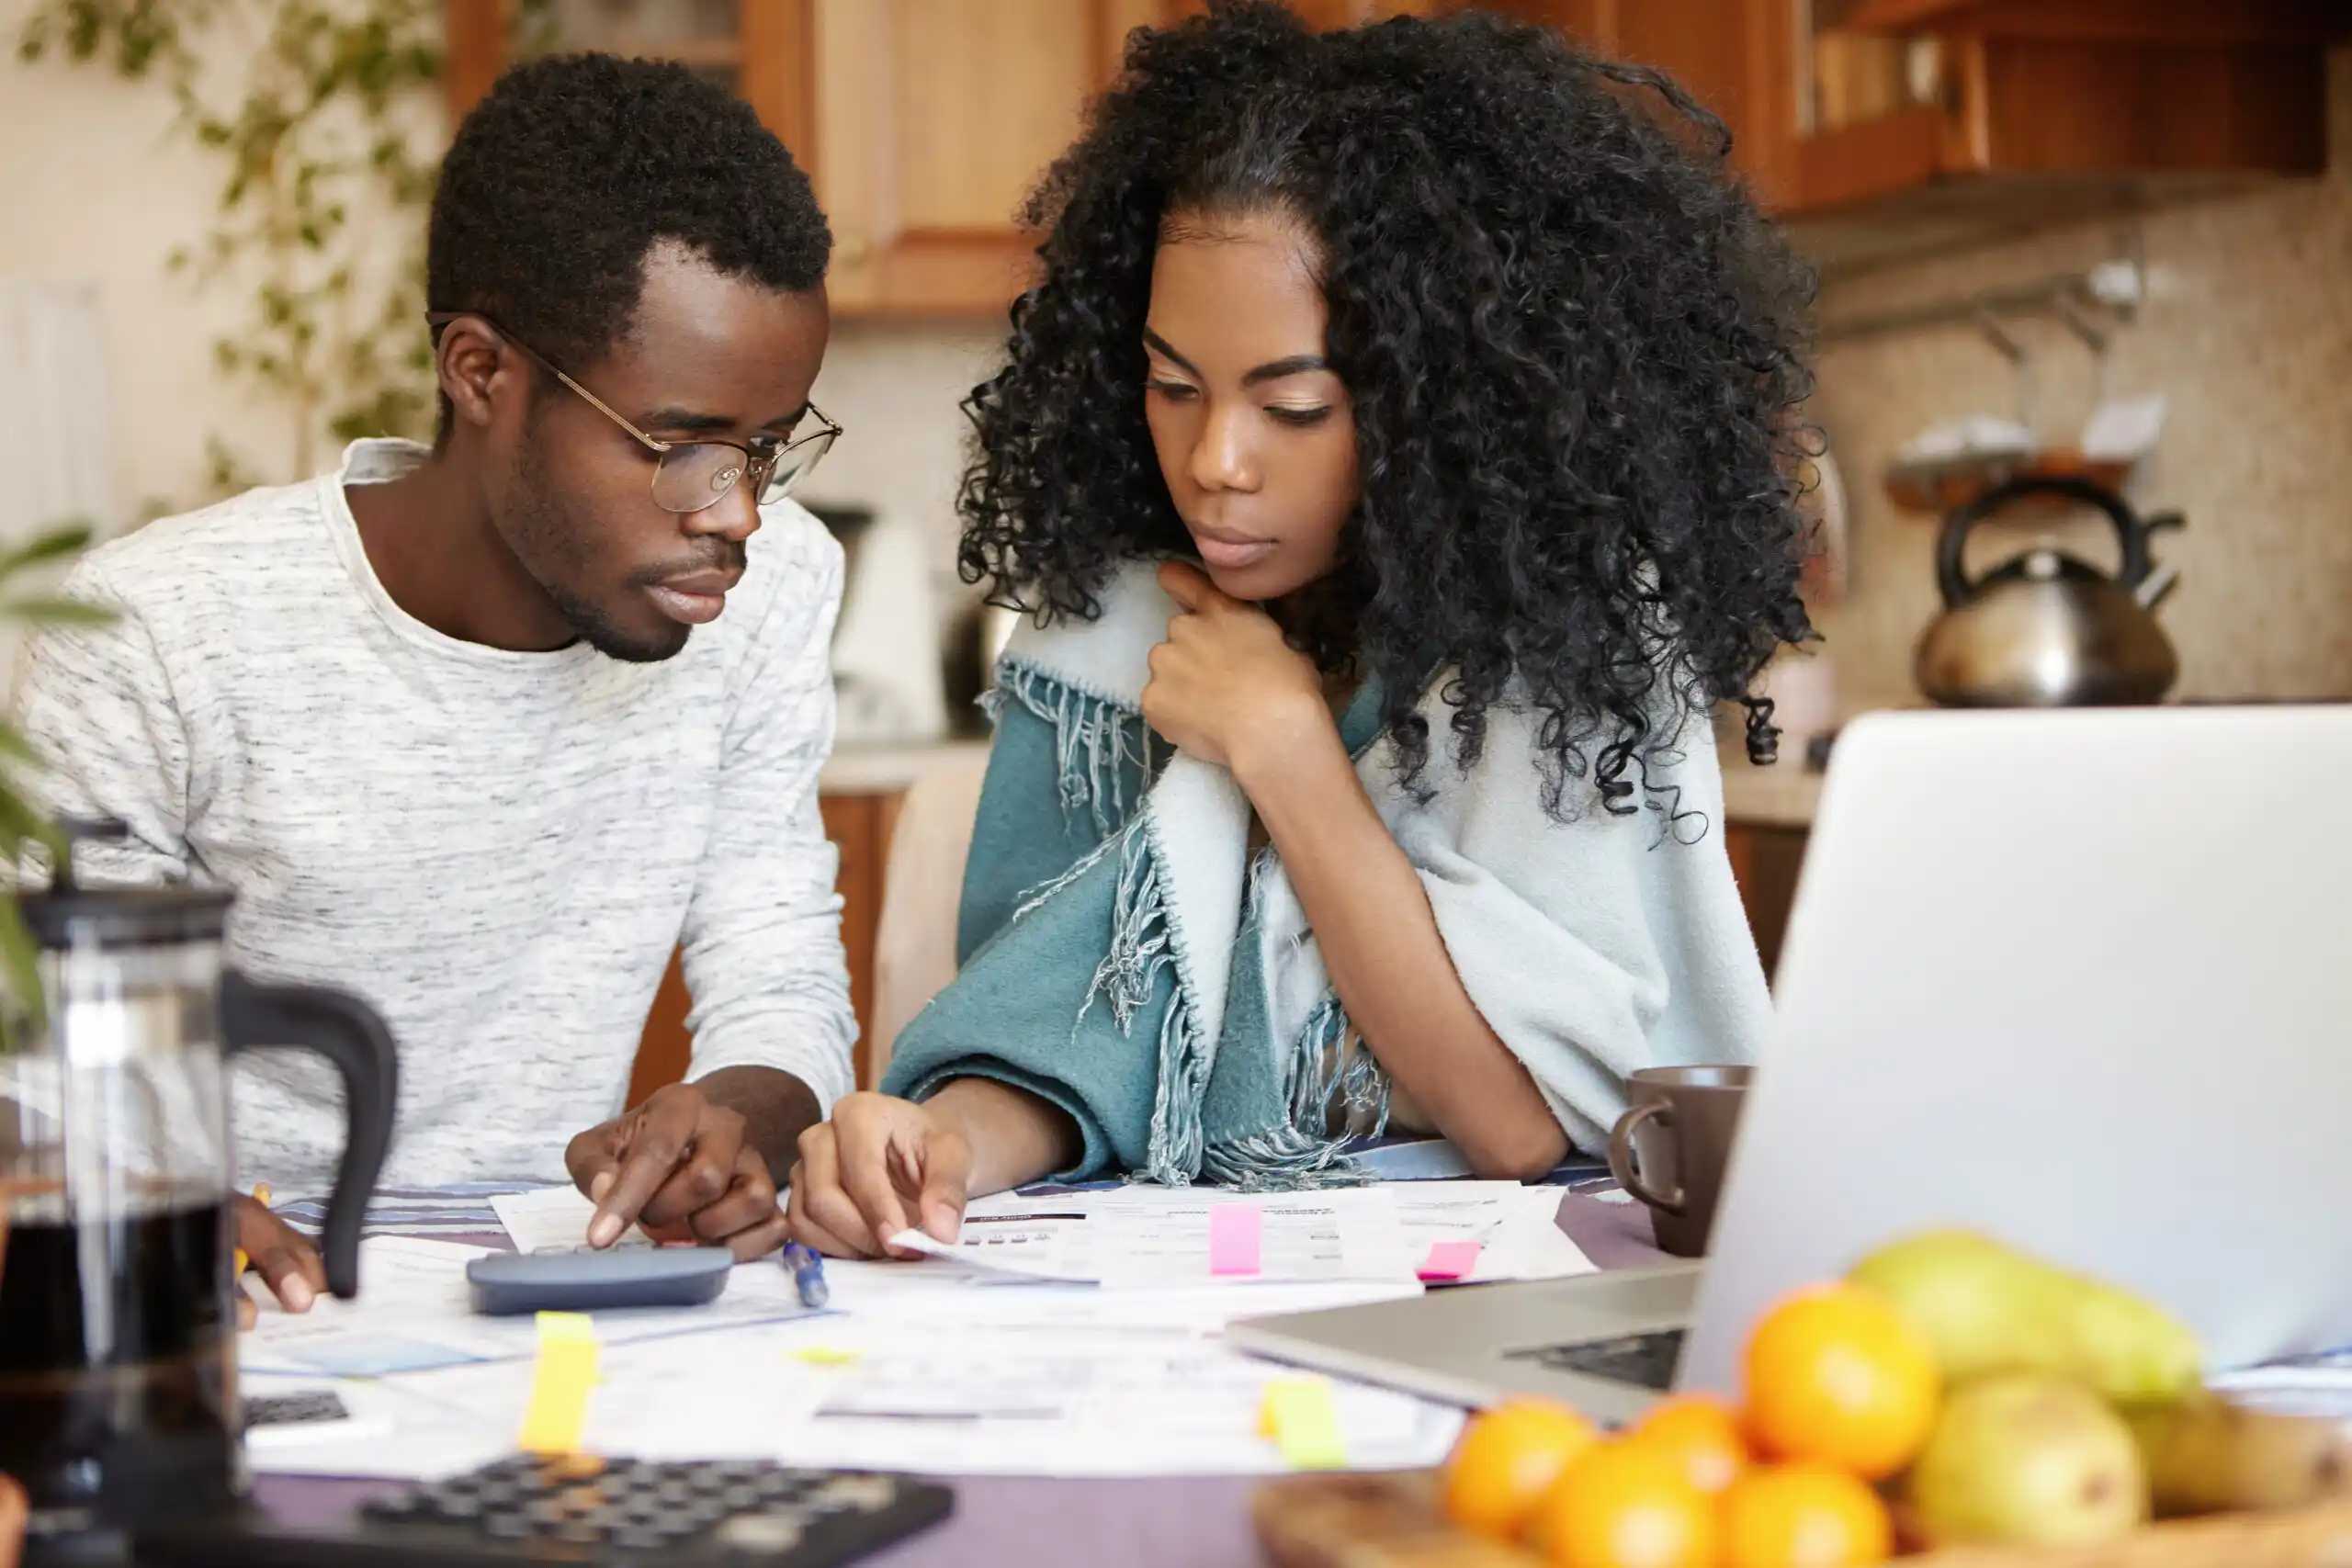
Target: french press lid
67, 914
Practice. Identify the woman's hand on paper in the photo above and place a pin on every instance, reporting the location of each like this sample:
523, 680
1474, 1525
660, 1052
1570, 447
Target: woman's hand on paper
281, 1254
880, 1166
1225, 685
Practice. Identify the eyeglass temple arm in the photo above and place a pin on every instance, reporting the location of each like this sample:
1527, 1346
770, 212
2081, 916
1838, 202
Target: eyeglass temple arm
438, 319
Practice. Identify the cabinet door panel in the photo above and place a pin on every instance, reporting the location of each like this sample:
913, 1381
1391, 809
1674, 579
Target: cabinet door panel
986, 97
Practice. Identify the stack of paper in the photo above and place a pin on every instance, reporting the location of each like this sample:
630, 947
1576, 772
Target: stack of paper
1062, 1333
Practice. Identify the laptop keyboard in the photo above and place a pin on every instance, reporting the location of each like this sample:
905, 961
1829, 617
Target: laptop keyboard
1646, 1360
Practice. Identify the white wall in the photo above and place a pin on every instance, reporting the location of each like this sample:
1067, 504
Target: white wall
94, 188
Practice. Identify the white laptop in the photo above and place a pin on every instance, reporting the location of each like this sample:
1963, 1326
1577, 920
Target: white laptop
2081, 979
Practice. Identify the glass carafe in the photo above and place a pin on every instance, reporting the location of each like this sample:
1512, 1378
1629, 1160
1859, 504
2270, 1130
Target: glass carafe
117, 1360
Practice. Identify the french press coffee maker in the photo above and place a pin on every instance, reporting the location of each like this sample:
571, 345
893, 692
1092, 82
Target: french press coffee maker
117, 1356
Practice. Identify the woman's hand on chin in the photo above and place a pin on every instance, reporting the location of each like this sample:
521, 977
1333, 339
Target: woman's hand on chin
1224, 685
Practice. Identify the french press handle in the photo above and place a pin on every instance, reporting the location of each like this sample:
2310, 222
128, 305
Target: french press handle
351, 1034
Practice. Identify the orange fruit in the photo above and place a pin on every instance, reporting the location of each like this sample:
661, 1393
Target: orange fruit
1803, 1515
1507, 1458
1837, 1373
1703, 1432
1627, 1504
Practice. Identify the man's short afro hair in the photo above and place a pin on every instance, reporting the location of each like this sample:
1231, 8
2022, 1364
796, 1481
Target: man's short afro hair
575, 165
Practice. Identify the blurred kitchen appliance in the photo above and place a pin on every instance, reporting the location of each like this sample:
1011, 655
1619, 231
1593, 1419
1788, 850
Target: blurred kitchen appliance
969, 664
2044, 628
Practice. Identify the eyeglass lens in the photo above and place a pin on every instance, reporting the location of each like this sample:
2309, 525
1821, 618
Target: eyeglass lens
691, 478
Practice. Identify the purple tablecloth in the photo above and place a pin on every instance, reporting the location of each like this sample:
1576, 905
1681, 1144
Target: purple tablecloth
1200, 1522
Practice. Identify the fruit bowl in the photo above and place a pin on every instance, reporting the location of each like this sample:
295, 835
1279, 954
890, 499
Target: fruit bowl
1393, 1520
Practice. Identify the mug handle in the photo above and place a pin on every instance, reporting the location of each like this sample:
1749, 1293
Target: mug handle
1620, 1156
349, 1033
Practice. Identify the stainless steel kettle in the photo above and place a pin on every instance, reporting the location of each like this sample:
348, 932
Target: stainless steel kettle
2045, 629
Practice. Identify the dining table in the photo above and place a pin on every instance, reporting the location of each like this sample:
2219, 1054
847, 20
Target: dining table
1038, 1522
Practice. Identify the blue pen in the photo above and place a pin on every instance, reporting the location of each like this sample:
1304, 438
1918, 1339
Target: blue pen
807, 1274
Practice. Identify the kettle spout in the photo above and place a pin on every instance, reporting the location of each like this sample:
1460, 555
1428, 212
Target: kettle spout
2156, 585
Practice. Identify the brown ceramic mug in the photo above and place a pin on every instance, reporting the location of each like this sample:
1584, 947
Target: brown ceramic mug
1669, 1149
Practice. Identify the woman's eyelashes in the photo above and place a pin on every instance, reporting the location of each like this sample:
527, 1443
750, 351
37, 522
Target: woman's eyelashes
1297, 416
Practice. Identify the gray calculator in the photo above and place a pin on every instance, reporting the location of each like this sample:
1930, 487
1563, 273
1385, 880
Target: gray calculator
589, 1281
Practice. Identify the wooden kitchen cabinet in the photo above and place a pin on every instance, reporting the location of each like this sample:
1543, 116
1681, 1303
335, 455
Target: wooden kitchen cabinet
859, 824
1765, 859
1880, 129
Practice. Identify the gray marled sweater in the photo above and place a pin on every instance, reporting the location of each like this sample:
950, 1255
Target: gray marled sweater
499, 850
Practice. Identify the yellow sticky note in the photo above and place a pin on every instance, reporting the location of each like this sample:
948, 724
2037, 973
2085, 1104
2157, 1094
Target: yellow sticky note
561, 1380
823, 1356
1298, 1417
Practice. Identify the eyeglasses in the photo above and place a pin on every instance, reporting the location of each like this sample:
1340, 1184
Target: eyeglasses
692, 476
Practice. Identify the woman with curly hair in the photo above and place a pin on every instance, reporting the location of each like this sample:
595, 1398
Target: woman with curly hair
1393, 459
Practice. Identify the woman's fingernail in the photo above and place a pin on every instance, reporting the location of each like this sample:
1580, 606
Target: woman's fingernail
297, 1293
604, 1230
598, 1185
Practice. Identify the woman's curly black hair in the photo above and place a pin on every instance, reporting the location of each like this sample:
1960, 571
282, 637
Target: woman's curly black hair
1572, 344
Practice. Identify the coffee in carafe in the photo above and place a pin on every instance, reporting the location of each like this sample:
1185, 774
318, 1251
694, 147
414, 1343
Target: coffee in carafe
117, 1353
117, 1360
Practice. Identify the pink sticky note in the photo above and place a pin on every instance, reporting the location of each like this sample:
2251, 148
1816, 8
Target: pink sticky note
1234, 1231
1450, 1261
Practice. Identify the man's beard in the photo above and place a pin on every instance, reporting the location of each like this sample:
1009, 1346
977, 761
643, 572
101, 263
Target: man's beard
538, 530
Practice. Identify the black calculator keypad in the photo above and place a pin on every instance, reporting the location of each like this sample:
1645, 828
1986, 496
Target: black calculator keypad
589, 1510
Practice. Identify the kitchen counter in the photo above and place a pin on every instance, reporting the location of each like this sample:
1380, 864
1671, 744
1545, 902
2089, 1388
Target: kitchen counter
887, 770
1784, 795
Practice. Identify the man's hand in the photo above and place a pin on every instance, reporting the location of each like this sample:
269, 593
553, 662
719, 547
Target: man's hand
879, 1166
679, 1166
281, 1254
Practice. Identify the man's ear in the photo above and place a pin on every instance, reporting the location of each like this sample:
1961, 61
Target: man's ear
471, 361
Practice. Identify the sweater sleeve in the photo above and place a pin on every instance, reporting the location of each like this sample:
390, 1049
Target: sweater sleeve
763, 944
1023, 992
97, 705
1597, 945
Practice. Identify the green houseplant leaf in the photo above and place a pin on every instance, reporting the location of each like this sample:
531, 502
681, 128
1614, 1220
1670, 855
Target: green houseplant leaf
22, 825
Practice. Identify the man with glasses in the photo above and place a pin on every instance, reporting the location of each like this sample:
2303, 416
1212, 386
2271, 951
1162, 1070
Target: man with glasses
484, 731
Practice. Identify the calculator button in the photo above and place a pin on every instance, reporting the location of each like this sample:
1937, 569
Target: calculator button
761, 1532
739, 1497
638, 1538
578, 1532
507, 1527
867, 1493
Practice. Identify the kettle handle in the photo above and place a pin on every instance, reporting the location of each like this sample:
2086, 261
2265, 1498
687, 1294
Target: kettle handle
1951, 574
348, 1032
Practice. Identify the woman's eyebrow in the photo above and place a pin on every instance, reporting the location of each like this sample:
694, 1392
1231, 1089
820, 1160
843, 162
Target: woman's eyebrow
1297, 365
1159, 345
